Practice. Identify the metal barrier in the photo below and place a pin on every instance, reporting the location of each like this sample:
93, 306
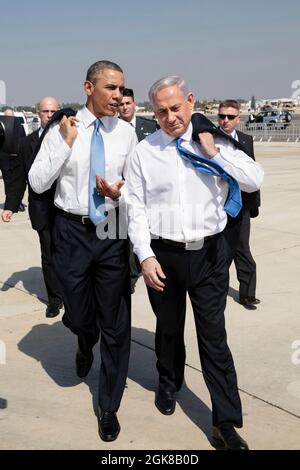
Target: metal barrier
264, 133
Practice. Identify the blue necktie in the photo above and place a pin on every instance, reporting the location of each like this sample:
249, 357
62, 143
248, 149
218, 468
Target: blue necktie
233, 202
97, 165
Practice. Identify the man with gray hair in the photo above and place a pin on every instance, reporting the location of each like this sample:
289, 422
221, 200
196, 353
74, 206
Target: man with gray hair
177, 211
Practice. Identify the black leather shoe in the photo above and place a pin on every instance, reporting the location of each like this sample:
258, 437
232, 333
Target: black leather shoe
253, 300
247, 303
108, 426
53, 310
83, 363
165, 402
229, 437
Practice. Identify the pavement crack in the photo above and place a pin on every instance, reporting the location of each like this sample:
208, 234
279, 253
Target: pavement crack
11, 286
273, 405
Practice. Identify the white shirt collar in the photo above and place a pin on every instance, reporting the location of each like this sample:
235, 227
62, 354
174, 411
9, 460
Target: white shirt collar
88, 118
167, 139
234, 135
133, 122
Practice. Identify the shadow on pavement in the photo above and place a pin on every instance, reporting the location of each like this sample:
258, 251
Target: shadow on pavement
54, 346
233, 293
142, 370
32, 280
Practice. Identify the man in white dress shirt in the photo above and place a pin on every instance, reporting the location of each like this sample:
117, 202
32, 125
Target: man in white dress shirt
176, 216
93, 270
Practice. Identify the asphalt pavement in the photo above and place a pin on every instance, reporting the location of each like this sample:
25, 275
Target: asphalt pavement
43, 405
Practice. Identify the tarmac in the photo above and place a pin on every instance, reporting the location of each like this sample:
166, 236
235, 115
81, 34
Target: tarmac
43, 405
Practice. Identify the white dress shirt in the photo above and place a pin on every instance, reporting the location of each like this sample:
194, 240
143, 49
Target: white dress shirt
168, 197
133, 122
71, 166
234, 134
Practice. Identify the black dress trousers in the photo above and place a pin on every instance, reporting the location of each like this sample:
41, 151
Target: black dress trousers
51, 281
243, 260
94, 275
204, 275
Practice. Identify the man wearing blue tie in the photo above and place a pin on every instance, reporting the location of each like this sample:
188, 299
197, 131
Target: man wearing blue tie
92, 267
178, 193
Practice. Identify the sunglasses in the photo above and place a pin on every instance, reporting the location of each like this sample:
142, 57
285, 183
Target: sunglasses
231, 117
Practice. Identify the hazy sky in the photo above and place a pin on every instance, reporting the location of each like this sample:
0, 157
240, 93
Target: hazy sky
223, 49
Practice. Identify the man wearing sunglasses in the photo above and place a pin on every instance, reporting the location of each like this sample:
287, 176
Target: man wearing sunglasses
237, 230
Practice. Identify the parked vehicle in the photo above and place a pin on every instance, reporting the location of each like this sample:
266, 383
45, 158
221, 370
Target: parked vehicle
35, 124
22, 119
272, 118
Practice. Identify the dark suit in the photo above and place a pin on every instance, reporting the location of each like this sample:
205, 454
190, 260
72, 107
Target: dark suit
41, 211
9, 162
144, 127
237, 233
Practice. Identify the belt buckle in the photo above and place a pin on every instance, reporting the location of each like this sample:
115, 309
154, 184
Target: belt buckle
83, 218
194, 246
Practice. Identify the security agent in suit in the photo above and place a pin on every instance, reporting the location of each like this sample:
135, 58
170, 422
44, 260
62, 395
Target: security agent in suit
41, 207
237, 231
143, 127
127, 108
9, 160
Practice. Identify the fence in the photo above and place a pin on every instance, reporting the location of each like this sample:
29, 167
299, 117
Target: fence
265, 133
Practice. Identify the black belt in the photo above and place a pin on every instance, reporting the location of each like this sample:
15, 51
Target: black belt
188, 246
83, 219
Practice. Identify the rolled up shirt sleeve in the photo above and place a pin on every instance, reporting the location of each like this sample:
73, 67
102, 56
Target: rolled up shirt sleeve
48, 163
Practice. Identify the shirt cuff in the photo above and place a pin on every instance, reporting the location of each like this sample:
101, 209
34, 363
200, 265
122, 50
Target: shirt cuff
218, 159
144, 253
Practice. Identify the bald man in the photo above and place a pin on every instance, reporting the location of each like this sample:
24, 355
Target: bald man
41, 207
9, 112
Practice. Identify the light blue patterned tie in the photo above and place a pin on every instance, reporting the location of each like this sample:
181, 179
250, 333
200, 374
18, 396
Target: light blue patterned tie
233, 202
97, 166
